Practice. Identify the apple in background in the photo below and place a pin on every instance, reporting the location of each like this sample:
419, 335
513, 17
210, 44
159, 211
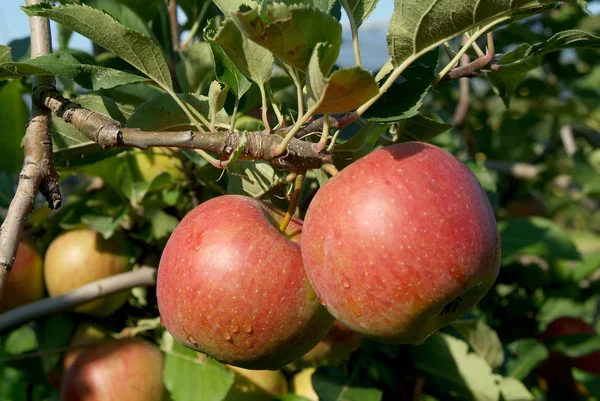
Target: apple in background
401, 242
25, 282
126, 369
147, 165
87, 334
256, 385
567, 326
79, 257
334, 349
232, 286
302, 384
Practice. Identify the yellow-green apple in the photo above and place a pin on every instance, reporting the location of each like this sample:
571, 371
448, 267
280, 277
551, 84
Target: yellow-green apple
334, 349
302, 384
126, 369
79, 257
256, 385
232, 286
401, 243
25, 282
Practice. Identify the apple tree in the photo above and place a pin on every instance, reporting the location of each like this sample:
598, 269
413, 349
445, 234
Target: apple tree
211, 204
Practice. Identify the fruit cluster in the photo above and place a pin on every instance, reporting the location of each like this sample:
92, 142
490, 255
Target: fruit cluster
397, 245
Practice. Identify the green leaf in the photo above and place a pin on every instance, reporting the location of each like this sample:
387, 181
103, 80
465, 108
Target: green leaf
450, 368
487, 179
228, 74
344, 90
6, 189
162, 113
404, 98
589, 380
283, 30
483, 339
89, 76
138, 50
195, 69
527, 354
253, 178
333, 385
21, 340
251, 59
419, 128
217, 94
54, 332
190, 379
5, 54
513, 65
122, 13
12, 384
417, 27
575, 345
13, 121
535, 236
554, 308
105, 225
359, 145
512, 389
162, 223
359, 10
231, 6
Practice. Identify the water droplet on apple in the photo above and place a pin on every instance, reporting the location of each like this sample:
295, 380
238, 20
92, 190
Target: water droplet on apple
227, 336
192, 341
235, 328
346, 284
248, 327
197, 248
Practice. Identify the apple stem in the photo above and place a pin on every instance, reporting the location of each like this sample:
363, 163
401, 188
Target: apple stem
330, 169
298, 182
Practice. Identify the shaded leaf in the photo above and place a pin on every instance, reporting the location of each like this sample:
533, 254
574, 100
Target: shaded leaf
21, 340
252, 178
359, 10
419, 128
138, 50
359, 145
527, 354
483, 339
283, 30
333, 385
13, 121
447, 364
228, 74
196, 67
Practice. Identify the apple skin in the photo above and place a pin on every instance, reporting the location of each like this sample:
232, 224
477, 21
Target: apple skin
79, 257
565, 326
25, 282
232, 286
126, 369
334, 349
401, 242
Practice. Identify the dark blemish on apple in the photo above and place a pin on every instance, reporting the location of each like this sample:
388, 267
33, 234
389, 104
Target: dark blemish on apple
451, 307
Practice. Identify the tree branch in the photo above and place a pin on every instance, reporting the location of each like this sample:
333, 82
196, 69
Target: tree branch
143, 277
107, 132
38, 171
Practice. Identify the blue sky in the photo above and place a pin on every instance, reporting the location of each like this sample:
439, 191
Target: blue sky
14, 24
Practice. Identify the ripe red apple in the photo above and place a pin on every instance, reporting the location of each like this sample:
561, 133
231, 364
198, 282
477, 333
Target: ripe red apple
401, 243
232, 286
80, 257
25, 283
334, 349
566, 326
127, 369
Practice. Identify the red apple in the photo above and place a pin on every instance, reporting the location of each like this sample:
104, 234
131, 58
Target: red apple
567, 326
232, 286
127, 369
80, 257
401, 243
25, 283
